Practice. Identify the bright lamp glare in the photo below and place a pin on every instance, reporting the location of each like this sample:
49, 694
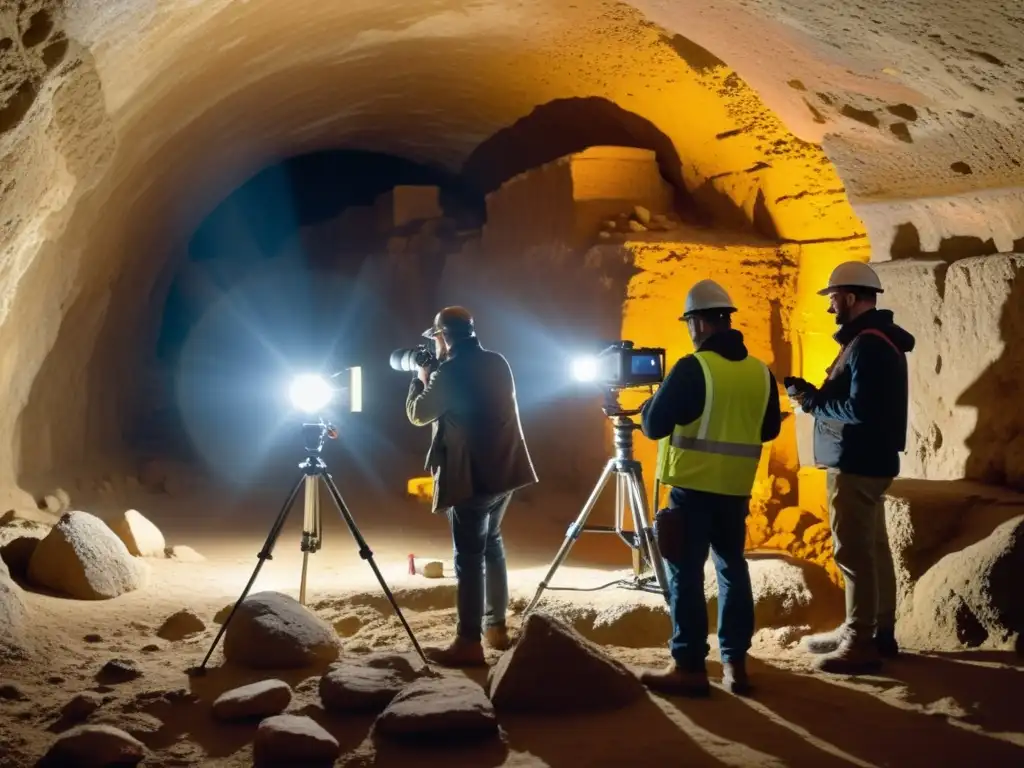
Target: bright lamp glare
356, 390
310, 393
584, 369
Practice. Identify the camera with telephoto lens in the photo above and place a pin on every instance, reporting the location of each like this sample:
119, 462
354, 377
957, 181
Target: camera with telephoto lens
410, 360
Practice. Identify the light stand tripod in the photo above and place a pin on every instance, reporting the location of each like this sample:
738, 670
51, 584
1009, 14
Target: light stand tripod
628, 484
313, 471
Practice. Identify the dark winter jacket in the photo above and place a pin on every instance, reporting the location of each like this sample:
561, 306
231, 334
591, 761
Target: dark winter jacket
680, 398
860, 412
477, 446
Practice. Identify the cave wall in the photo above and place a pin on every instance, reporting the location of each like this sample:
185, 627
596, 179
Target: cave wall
123, 123
967, 369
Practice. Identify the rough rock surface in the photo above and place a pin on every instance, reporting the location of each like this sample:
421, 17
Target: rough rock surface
357, 687
82, 558
139, 534
257, 700
17, 554
180, 625
183, 554
927, 520
13, 615
967, 416
971, 597
787, 592
552, 668
447, 708
81, 706
275, 631
99, 745
293, 740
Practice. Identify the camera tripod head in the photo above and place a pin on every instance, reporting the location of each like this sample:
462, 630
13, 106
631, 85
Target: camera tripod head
314, 435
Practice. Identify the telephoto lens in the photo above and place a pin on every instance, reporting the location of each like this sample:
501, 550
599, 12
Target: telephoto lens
408, 360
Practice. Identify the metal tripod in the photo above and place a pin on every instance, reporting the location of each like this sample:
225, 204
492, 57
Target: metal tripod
628, 485
313, 471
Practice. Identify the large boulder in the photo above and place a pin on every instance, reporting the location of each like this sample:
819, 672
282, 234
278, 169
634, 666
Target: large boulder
971, 597
552, 668
446, 709
271, 630
139, 534
293, 740
82, 558
98, 745
256, 700
360, 687
13, 615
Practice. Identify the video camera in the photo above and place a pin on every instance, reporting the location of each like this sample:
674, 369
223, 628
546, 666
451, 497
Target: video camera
621, 365
409, 360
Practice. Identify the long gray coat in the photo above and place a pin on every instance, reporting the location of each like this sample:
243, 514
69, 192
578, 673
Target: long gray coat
477, 446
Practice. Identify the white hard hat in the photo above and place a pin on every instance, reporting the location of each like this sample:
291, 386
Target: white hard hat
852, 274
707, 295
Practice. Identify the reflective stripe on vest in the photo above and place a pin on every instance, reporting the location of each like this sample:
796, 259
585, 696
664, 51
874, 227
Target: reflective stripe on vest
719, 453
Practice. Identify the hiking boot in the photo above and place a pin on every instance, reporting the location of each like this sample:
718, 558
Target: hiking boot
677, 681
825, 642
497, 638
885, 642
734, 677
461, 653
854, 656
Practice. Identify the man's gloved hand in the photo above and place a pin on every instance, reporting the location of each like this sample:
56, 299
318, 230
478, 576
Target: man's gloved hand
800, 391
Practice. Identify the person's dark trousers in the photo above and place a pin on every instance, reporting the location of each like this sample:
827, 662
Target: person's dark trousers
480, 564
715, 522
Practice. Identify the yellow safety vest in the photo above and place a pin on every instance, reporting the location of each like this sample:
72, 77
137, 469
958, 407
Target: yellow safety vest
719, 452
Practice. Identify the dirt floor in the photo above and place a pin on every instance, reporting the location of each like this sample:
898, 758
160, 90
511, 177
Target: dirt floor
926, 710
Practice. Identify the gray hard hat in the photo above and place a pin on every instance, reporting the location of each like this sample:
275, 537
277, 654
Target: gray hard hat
455, 321
852, 274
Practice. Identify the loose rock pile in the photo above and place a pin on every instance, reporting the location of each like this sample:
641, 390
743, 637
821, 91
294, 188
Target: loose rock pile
640, 219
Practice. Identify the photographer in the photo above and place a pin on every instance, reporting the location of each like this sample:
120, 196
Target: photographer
711, 416
477, 457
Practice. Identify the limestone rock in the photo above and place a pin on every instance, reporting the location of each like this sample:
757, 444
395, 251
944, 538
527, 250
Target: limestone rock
552, 668
447, 708
94, 745
180, 625
257, 700
118, 671
81, 706
13, 615
274, 631
183, 554
82, 558
971, 597
17, 553
293, 740
793, 520
140, 535
355, 687
27, 515
787, 592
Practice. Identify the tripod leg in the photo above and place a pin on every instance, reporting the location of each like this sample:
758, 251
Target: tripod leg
265, 554
573, 533
367, 555
645, 536
310, 529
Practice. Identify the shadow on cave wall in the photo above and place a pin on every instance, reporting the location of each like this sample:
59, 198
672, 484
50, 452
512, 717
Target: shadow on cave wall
997, 443
906, 244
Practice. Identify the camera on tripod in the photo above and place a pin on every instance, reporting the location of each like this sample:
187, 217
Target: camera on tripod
410, 360
621, 365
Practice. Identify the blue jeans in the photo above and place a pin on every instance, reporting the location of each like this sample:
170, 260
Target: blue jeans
476, 539
719, 523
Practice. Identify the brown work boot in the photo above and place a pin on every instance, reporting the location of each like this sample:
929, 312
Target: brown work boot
461, 653
734, 677
676, 681
854, 656
497, 638
825, 642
